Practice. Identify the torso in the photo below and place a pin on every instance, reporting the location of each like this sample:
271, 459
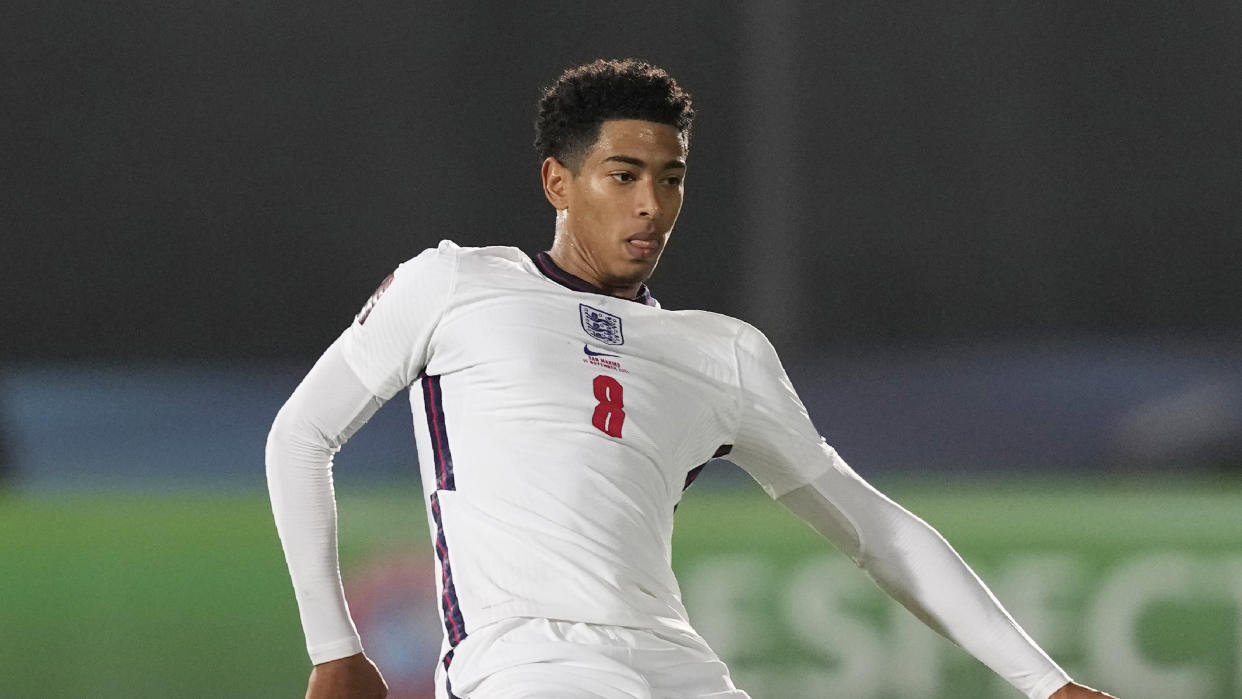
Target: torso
571, 420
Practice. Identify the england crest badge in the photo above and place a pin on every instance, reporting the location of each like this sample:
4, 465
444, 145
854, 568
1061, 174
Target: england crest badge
601, 325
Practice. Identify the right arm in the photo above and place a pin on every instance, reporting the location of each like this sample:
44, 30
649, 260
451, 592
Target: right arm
324, 411
379, 355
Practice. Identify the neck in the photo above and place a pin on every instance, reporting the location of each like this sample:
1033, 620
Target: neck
577, 260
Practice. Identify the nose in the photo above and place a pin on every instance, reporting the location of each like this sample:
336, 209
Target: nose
647, 203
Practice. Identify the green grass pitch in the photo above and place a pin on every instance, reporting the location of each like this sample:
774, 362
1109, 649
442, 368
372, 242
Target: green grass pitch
121, 595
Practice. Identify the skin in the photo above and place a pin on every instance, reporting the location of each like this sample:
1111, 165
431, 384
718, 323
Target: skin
353, 677
1077, 691
615, 212
616, 209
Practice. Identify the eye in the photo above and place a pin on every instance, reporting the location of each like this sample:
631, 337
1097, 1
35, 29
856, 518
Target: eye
673, 180
622, 176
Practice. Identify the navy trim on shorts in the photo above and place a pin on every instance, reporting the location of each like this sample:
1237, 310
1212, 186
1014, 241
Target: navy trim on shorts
448, 683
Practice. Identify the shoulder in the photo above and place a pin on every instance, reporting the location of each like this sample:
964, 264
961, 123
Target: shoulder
723, 327
729, 339
753, 354
448, 255
444, 254
472, 260
490, 257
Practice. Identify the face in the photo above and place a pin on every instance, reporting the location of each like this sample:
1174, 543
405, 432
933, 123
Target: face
615, 214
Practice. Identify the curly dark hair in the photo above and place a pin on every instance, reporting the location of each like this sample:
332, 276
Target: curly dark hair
573, 108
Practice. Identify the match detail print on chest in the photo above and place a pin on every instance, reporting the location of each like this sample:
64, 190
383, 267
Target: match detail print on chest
602, 350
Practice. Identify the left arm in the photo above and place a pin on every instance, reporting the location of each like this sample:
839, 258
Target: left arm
778, 445
911, 562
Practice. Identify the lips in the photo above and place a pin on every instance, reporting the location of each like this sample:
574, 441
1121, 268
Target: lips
645, 242
642, 247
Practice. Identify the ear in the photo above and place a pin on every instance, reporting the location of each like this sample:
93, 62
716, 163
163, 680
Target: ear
556, 183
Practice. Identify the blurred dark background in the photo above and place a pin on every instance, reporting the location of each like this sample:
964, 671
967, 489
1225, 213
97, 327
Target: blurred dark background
941, 214
214, 180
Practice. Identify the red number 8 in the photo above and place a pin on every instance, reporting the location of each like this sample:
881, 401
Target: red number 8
609, 414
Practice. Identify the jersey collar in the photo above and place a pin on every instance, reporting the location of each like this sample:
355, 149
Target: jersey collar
550, 270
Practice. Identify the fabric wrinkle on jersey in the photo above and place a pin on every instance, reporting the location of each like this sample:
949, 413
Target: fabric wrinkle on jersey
549, 658
535, 510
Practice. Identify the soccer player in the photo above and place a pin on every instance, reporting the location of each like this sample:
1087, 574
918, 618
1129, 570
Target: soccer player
560, 413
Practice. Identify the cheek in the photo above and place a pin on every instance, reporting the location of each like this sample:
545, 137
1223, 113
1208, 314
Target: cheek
604, 206
673, 205
609, 210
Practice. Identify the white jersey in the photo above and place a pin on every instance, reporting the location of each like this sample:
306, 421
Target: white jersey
557, 428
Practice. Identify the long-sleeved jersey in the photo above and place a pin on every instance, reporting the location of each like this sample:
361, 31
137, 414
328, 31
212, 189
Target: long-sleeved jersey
557, 427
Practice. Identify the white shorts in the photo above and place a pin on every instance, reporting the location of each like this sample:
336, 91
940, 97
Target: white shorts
525, 658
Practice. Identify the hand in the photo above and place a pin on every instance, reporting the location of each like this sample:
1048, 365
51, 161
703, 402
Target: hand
1077, 691
355, 677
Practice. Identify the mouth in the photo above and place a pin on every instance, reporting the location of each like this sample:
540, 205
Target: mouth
642, 249
643, 245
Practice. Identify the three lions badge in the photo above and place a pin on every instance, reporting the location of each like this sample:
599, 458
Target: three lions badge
601, 325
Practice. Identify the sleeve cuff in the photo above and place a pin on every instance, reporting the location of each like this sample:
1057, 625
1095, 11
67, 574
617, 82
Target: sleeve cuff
335, 650
1049, 683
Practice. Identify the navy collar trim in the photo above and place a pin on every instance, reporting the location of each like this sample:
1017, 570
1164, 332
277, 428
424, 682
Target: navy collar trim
552, 271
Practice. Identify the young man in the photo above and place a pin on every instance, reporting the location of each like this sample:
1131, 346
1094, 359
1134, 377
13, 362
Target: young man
560, 414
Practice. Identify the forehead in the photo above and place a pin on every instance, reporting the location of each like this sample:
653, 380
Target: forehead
636, 138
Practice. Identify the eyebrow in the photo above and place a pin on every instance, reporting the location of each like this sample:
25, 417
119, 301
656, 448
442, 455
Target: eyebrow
636, 162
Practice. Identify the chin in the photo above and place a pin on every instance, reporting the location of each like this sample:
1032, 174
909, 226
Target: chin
636, 272
644, 271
